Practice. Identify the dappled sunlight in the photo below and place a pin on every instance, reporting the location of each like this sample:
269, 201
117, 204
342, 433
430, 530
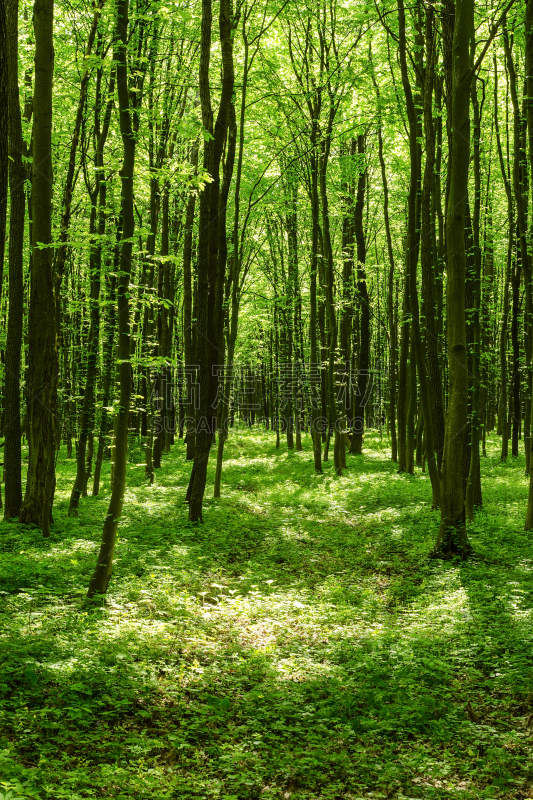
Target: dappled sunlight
304, 605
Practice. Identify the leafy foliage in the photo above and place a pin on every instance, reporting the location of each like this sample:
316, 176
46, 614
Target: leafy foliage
298, 644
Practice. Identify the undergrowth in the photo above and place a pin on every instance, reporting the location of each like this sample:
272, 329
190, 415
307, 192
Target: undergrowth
300, 644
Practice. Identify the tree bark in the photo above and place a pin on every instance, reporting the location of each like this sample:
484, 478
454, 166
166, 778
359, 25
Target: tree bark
452, 538
12, 432
42, 334
209, 269
102, 573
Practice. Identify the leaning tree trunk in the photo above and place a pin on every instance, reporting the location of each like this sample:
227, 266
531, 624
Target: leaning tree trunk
102, 573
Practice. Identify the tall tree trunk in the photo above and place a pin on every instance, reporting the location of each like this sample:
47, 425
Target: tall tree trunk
209, 270
473, 486
428, 258
529, 114
188, 340
523, 258
413, 244
348, 252
42, 353
108, 350
452, 538
4, 122
102, 573
12, 432
363, 355
329, 291
315, 371
393, 336
98, 224
502, 411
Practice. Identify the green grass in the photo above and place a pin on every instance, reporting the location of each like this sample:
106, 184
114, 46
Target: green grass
300, 644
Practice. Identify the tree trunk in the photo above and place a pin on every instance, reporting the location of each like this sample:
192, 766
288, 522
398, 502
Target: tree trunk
102, 573
209, 276
363, 359
42, 353
452, 538
5, 92
12, 432
529, 93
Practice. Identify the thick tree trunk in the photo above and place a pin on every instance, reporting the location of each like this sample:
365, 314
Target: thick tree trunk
452, 538
42, 335
209, 271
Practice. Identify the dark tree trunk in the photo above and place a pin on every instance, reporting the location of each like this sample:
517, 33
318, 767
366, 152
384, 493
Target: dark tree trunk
12, 432
42, 354
208, 315
452, 538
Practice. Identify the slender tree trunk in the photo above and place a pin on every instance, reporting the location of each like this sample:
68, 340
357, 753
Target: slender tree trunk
314, 367
4, 121
363, 360
102, 573
108, 351
529, 106
393, 337
87, 413
12, 432
188, 341
502, 410
523, 258
428, 260
97, 224
473, 486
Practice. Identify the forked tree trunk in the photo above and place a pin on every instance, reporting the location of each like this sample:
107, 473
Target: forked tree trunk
209, 270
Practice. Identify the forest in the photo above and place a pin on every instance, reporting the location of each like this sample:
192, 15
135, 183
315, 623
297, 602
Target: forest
266, 387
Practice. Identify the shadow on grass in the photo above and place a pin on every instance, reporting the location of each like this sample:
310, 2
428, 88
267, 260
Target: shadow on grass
299, 643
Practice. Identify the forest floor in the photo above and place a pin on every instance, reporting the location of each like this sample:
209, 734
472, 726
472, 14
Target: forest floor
300, 644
